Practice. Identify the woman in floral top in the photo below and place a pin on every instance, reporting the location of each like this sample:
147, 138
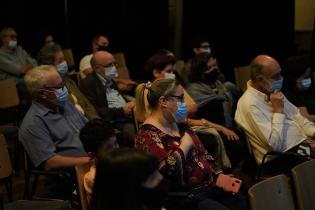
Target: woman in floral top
183, 159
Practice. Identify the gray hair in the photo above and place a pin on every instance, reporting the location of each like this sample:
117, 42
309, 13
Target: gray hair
47, 54
36, 78
256, 70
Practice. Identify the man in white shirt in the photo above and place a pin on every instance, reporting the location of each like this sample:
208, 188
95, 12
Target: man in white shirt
99, 42
270, 121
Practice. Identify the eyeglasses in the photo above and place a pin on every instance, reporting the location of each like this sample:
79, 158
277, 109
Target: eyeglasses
61, 85
179, 98
108, 65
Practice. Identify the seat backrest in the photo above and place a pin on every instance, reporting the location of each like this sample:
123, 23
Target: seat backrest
242, 75
5, 161
122, 68
81, 170
69, 57
9, 96
304, 182
273, 194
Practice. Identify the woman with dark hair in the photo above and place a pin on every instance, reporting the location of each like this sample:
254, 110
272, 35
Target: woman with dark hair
128, 179
182, 157
298, 84
214, 102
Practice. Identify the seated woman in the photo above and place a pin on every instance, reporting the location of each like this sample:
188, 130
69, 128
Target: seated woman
128, 179
161, 66
298, 84
214, 102
183, 159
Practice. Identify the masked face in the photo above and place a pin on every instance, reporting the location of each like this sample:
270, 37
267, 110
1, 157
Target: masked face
61, 96
62, 68
276, 84
212, 76
12, 44
306, 84
111, 72
169, 75
180, 115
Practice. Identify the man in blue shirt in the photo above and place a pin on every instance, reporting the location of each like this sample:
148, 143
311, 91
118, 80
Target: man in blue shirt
50, 129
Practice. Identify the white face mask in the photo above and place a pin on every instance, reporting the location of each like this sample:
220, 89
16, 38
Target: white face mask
306, 83
111, 72
202, 50
169, 76
13, 44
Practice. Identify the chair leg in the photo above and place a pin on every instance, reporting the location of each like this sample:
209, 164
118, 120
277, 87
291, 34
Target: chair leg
8, 186
33, 190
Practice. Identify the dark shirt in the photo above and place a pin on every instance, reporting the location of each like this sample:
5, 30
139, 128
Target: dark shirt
45, 133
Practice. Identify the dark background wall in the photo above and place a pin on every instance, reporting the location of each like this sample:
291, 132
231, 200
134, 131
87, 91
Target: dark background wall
237, 30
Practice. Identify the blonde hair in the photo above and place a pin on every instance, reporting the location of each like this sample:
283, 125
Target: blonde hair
156, 89
36, 78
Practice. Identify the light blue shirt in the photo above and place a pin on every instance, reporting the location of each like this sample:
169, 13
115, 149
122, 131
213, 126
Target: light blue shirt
45, 133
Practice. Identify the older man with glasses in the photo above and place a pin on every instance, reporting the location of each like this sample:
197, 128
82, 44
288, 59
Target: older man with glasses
101, 90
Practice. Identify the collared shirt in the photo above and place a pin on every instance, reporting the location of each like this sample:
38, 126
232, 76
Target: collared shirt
11, 62
114, 98
269, 131
45, 133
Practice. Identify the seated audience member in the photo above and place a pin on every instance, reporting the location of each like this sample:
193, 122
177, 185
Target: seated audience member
298, 85
270, 121
128, 179
50, 129
214, 102
52, 54
97, 137
161, 66
14, 60
183, 159
101, 43
101, 91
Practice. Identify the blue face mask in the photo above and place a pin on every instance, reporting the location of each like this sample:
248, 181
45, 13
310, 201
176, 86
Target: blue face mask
277, 84
306, 83
61, 95
62, 68
181, 112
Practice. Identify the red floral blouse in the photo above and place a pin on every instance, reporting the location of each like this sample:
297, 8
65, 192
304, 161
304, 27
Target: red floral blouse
197, 170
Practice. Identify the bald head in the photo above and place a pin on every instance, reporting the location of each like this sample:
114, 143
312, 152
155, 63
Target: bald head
270, 65
265, 72
101, 60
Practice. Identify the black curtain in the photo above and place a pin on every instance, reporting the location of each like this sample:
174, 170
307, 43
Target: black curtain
239, 30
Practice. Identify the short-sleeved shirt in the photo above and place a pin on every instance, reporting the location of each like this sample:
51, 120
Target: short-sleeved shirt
45, 133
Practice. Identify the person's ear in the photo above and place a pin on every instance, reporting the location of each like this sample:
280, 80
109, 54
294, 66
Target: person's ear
156, 73
163, 102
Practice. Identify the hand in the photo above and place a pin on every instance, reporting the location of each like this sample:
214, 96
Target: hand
128, 108
231, 135
186, 143
26, 67
276, 99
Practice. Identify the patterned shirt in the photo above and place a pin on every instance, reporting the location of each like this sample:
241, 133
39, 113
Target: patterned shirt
197, 170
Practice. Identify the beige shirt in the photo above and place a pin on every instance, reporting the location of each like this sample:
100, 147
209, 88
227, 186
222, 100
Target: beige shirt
88, 182
269, 131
